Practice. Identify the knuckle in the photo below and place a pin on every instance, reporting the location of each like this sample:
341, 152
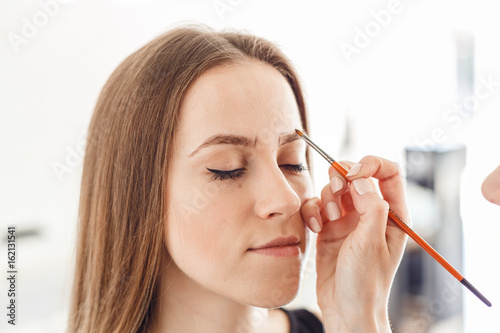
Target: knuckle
399, 169
372, 162
369, 159
379, 207
309, 203
326, 192
306, 203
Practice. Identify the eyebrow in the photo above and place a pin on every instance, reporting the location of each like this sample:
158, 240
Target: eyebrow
238, 140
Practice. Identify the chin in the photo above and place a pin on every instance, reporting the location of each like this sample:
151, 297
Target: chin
272, 303
273, 295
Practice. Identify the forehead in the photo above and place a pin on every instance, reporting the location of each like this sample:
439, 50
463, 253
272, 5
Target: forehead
248, 98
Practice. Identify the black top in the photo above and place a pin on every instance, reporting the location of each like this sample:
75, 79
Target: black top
303, 321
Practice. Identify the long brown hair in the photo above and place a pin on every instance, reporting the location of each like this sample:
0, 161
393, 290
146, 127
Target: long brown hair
120, 250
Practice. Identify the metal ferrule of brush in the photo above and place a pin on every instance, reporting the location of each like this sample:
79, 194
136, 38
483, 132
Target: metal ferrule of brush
318, 149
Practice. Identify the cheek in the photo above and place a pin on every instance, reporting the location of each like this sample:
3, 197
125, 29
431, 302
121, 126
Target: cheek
201, 230
303, 187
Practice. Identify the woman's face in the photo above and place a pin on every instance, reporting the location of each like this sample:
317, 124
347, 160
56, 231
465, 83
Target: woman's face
491, 186
214, 219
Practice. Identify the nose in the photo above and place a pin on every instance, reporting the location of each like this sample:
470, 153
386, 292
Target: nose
491, 187
274, 195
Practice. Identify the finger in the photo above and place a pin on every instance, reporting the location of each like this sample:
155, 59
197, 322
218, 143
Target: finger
331, 203
337, 182
311, 214
390, 181
373, 211
346, 199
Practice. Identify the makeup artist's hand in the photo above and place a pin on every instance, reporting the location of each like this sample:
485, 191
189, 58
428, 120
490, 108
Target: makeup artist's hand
358, 248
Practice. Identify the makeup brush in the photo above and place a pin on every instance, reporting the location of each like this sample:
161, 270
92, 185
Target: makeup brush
400, 223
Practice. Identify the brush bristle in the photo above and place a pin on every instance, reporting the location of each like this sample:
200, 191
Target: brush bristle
298, 132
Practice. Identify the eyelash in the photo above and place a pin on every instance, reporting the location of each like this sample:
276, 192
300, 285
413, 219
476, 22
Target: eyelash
234, 174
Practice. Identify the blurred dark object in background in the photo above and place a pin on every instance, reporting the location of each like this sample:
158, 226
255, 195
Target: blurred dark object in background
424, 293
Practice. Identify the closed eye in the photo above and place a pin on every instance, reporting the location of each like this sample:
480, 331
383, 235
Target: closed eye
237, 173
225, 175
298, 168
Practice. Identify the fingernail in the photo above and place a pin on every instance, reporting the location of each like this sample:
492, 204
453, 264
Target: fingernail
362, 186
336, 184
332, 211
314, 223
354, 170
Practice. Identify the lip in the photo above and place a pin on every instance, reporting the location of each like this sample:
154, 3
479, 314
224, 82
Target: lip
279, 251
279, 242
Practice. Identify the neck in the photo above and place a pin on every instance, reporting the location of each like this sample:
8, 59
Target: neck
187, 306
